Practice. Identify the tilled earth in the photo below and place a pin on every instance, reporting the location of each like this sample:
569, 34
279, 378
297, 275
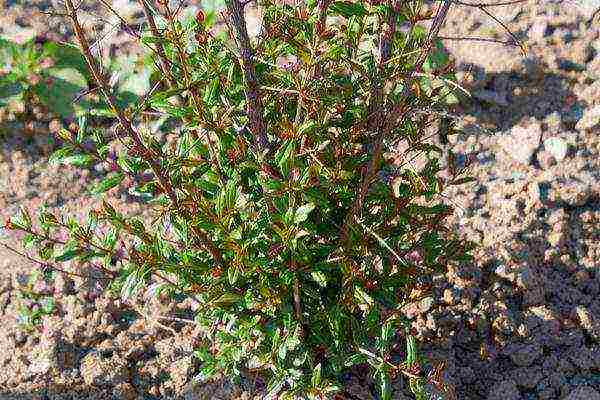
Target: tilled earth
522, 322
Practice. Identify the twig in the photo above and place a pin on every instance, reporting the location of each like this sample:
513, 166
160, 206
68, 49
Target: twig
48, 265
254, 107
375, 117
503, 25
160, 50
128, 126
478, 39
498, 4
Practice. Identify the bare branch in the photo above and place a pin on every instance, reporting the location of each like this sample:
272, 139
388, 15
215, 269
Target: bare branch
503, 25
254, 107
497, 4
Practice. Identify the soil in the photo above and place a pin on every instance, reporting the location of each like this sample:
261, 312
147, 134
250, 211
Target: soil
521, 322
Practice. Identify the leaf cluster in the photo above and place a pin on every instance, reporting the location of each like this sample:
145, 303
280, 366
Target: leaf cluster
282, 204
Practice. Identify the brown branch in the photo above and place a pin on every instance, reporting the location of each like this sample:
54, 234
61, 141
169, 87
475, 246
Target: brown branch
160, 50
478, 39
497, 4
48, 265
254, 107
503, 25
375, 115
128, 126
322, 7
105, 89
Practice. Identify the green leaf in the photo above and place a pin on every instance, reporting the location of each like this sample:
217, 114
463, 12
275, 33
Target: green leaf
212, 92
60, 154
107, 184
316, 376
154, 39
226, 299
59, 92
48, 305
67, 255
302, 212
78, 160
385, 387
347, 9
66, 55
319, 277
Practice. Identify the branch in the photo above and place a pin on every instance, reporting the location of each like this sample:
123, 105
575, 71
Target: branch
254, 107
48, 265
128, 126
322, 6
106, 92
160, 50
498, 4
375, 114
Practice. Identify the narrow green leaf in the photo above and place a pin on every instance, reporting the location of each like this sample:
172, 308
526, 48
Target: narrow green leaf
67, 255
107, 184
316, 376
212, 92
302, 212
347, 9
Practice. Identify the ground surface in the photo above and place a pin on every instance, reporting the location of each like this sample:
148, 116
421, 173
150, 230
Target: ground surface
522, 322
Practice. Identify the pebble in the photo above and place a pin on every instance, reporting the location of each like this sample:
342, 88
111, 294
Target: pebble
491, 96
426, 304
590, 118
521, 143
97, 371
524, 355
588, 322
538, 30
557, 147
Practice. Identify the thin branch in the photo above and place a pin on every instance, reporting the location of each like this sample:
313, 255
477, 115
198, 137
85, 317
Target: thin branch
503, 25
322, 7
497, 4
478, 39
254, 107
128, 126
160, 50
48, 265
375, 117
105, 89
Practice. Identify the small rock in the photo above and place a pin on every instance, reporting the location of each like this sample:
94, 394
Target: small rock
524, 355
590, 118
588, 322
451, 296
124, 391
538, 30
97, 371
426, 304
530, 281
527, 377
522, 142
583, 393
557, 147
587, 8
505, 390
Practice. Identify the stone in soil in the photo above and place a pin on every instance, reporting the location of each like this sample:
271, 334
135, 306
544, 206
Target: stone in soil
522, 142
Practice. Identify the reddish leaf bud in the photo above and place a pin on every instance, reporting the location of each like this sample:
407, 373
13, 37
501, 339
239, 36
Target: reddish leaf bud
200, 17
